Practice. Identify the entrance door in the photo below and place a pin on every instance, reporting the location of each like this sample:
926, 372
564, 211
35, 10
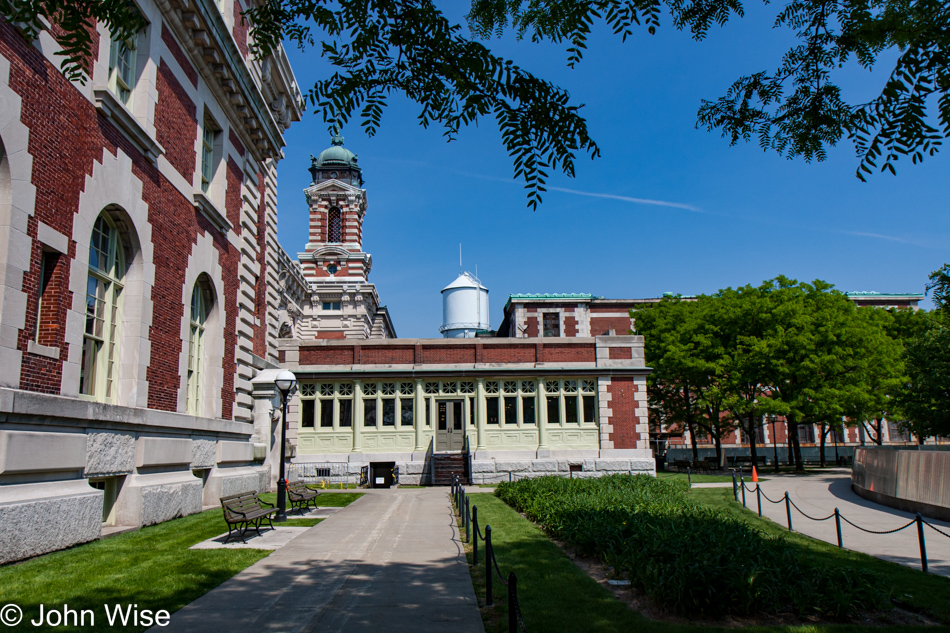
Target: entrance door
450, 434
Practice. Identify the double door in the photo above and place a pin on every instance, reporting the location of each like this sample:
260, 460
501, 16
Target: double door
450, 426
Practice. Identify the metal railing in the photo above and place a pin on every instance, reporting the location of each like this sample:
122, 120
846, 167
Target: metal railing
739, 484
468, 514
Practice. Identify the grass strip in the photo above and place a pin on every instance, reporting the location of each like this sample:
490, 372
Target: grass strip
152, 568
335, 500
555, 594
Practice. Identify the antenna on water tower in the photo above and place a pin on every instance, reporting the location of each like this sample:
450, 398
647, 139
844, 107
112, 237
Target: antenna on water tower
460, 258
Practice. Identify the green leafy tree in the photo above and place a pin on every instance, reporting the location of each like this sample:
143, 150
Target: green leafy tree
939, 286
926, 401
822, 352
742, 331
409, 47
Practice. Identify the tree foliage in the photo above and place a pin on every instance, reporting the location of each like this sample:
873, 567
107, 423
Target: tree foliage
926, 401
76, 21
381, 48
799, 350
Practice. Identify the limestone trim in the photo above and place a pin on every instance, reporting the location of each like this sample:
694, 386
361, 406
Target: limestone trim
17, 204
113, 188
203, 260
43, 410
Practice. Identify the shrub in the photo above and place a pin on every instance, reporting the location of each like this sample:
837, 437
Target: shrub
690, 559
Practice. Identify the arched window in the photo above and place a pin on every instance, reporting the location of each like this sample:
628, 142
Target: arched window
107, 268
334, 228
201, 302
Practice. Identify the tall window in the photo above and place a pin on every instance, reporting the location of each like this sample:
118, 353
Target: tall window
103, 294
552, 324
334, 228
122, 69
208, 134
200, 308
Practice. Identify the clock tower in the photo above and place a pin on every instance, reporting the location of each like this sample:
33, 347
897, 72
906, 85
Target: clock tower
343, 304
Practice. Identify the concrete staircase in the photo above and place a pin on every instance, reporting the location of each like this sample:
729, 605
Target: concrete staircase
447, 465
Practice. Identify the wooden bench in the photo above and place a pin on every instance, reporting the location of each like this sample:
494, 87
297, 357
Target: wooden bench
245, 511
300, 495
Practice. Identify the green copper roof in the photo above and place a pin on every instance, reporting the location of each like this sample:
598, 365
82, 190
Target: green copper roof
885, 295
335, 156
552, 295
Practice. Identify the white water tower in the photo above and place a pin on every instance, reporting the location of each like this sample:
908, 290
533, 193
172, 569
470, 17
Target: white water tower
464, 307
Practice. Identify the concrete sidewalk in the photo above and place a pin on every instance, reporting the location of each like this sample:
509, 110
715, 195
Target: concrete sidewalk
818, 495
390, 561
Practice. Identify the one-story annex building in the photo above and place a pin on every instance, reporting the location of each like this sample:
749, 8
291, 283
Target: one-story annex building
568, 399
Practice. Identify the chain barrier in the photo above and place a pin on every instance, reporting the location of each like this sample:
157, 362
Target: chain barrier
936, 529
740, 484
903, 527
473, 534
808, 516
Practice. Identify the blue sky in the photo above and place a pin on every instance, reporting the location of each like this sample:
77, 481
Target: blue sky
666, 208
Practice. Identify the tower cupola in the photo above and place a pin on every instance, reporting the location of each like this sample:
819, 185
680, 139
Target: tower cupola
336, 163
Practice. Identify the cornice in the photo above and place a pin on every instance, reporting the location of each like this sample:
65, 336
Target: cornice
202, 29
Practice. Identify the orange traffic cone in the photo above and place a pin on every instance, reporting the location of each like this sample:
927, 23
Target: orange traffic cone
755, 475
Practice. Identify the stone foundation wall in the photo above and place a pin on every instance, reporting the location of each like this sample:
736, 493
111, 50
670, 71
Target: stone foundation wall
159, 465
45, 517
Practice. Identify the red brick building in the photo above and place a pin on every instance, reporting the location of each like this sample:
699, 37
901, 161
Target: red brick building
139, 290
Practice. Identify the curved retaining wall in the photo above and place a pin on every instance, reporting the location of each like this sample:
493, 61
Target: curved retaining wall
914, 481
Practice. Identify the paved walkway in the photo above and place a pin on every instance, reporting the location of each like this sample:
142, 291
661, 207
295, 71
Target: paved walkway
818, 495
391, 561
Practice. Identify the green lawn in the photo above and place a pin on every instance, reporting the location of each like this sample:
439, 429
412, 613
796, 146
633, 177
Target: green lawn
556, 595
151, 567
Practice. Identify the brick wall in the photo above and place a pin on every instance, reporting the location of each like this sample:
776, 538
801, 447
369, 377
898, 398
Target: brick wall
510, 354
240, 29
449, 354
67, 137
176, 123
601, 325
623, 405
179, 56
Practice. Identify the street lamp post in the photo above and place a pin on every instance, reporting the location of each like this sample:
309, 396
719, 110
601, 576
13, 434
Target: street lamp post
285, 382
774, 440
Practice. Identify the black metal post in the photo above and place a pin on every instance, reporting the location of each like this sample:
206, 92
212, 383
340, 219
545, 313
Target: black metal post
512, 599
468, 520
488, 554
788, 511
282, 481
758, 498
475, 542
689, 478
838, 526
923, 545
742, 483
735, 486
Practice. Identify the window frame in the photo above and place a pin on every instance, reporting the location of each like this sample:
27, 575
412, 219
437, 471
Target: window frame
101, 361
202, 300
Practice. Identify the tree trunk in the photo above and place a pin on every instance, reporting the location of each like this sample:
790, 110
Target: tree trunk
796, 445
752, 452
692, 438
824, 434
718, 441
879, 440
